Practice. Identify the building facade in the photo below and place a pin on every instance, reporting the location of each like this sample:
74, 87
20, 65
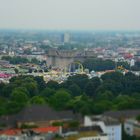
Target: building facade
132, 127
109, 126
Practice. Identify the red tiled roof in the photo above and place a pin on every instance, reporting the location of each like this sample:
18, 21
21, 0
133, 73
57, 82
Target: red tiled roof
3, 75
10, 132
128, 55
46, 129
13, 132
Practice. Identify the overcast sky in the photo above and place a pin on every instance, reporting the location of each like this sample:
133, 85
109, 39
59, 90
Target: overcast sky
70, 14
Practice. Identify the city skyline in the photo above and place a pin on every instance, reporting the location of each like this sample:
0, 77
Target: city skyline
70, 14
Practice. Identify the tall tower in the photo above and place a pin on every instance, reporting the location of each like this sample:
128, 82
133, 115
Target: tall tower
66, 38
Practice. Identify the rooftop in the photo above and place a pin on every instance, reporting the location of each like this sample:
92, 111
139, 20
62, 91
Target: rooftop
123, 114
83, 134
84, 129
106, 119
110, 121
10, 132
77, 133
14, 132
37, 113
46, 129
44, 113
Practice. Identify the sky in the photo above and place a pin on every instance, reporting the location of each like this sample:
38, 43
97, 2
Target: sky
70, 14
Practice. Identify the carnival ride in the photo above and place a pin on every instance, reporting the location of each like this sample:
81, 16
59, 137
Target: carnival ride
74, 67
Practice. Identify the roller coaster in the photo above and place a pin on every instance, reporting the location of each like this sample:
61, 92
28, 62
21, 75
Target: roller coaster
74, 67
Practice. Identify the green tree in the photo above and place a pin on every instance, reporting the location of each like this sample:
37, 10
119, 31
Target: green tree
40, 82
3, 102
16, 70
79, 79
35, 61
37, 100
60, 99
52, 85
32, 88
96, 81
75, 90
115, 87
138, 118
19, 96
102, 106
124, 102
82, 104
13, 107
2, 85
114, 76
7, 90
90, 89
106, 95
99, 64
47, 92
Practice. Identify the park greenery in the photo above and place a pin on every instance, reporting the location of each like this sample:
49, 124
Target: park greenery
113, 91
19, 60
102, 65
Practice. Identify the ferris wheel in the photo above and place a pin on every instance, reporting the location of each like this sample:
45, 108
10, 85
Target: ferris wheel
75, 67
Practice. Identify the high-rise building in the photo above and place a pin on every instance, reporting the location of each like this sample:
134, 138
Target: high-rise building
66, 38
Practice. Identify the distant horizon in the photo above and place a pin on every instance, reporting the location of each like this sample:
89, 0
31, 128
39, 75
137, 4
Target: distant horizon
70, 30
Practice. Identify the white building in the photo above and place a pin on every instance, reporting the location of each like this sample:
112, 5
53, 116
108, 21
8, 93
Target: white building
132, 62
132, 127
109, 126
